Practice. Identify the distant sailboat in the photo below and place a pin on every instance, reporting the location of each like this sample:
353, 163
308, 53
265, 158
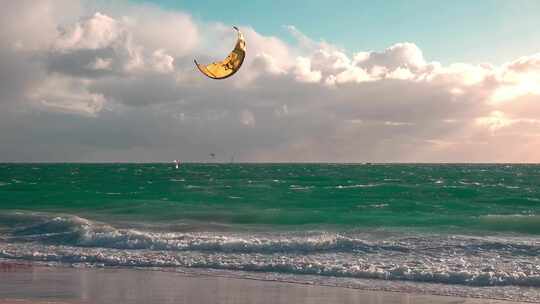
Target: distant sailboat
176, 164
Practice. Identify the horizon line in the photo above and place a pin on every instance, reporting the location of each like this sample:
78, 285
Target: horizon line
277, 162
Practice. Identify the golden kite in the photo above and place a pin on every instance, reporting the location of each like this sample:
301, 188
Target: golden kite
228, 66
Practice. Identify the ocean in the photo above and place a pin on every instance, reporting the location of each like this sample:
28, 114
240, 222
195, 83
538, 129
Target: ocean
472, 228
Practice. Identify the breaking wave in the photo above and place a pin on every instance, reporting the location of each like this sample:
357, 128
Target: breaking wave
477, 261
77, 231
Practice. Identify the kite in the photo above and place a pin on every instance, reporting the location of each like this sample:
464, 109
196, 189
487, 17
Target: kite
228, 66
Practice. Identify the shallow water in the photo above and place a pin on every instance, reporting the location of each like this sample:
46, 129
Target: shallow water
31, 284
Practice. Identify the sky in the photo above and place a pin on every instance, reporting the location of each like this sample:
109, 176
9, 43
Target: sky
473, 31
323, 81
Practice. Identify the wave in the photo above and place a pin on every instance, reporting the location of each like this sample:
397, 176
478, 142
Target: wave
512, 222
477, 261
74, 230
324, 264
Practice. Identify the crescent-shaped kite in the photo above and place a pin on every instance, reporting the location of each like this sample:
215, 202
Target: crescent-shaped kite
228, 66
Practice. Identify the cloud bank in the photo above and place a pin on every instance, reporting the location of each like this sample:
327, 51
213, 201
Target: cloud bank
117, 83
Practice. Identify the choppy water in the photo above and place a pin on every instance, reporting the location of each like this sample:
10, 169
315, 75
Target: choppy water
470, 225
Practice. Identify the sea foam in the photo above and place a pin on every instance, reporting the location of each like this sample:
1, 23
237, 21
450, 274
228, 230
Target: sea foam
476, 261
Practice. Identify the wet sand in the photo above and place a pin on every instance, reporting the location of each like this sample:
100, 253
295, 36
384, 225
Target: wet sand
27, 283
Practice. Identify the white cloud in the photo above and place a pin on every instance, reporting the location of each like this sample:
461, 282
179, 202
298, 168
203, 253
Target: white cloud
353, 74
303, 71
518, 78
498, 120
65, 94
264, 63
399, 55
161, 62
127, 42
97, 32
28, 25
129, 69
173, 32
525, 64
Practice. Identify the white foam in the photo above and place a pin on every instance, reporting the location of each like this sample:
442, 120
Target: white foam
478, 261
387, 267
357, 186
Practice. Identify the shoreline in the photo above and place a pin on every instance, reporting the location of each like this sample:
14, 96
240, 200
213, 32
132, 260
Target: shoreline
34, 283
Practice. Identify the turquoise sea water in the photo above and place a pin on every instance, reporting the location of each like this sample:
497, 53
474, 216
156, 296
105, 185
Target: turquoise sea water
446, 198
476, 225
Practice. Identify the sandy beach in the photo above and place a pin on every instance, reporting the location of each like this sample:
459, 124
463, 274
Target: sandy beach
27, 283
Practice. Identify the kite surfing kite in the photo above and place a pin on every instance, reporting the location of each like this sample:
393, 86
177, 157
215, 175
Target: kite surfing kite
228, 66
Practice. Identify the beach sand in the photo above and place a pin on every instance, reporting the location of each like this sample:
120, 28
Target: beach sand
28, 283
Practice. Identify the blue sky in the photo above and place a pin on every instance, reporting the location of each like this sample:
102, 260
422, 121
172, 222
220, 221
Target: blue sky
461, 31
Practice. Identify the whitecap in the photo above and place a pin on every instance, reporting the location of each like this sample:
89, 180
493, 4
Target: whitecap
356, 186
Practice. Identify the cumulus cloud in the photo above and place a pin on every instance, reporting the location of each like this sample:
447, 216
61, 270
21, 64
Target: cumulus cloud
96, 32
304, 72
101, 45
400, 55
118, 83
